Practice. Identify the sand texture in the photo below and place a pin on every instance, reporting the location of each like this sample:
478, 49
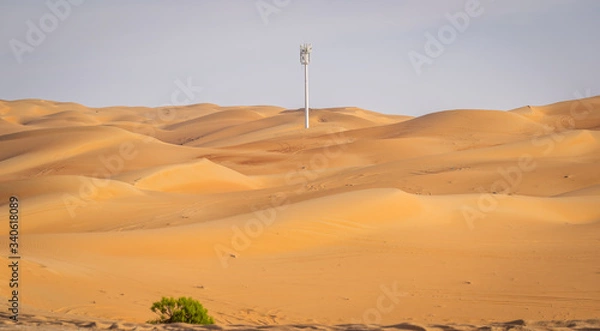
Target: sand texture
465, 219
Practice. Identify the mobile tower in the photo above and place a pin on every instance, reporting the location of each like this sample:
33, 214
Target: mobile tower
305, 50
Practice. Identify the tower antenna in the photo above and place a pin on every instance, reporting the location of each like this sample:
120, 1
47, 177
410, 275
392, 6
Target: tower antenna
305, 50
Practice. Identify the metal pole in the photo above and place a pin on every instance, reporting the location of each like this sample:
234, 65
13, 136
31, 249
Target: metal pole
306, 124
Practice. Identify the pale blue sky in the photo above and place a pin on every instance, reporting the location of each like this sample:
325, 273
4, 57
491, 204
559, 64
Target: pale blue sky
130, 52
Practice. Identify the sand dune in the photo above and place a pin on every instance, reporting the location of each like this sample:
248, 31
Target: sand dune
578, 114
64, 118
198, 177
464, 129
456, 220
101, 151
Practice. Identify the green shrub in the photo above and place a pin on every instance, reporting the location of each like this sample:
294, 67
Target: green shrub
184, 310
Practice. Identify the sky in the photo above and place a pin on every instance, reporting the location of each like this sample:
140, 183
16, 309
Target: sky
409, 57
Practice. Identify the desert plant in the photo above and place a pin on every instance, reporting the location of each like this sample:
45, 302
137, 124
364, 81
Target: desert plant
184, 310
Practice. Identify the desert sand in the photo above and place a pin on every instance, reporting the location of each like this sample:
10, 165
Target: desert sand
460, 217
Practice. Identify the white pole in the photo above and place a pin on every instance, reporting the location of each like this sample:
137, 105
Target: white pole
306, 124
